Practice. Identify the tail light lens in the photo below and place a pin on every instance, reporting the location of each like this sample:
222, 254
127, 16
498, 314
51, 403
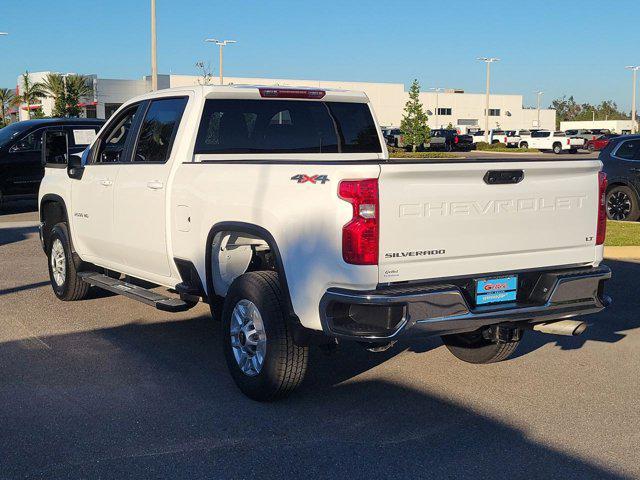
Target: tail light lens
360, 235
505, 139
602, 210
568, 141
456, 139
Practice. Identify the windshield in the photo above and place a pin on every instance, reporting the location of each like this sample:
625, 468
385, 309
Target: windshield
9, 132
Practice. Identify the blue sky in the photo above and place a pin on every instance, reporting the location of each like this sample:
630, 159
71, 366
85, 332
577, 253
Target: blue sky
561, 47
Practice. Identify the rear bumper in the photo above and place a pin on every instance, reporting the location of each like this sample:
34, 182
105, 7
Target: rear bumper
445, 308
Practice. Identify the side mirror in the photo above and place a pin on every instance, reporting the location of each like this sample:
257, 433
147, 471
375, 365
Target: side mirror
75, 167
55, 148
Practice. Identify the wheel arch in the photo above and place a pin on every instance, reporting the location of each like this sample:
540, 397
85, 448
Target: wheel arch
53, 207
617, 182
257, 231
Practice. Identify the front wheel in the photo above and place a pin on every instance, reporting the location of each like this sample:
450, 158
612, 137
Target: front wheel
63, 271
591, 148
557, 149
258, 344
524, 145
622, 204
475, 347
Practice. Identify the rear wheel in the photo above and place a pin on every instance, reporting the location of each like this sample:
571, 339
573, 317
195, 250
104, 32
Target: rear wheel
591, 148
63, 271
524, 145
622, 204
480, 347
262, 357
557, 148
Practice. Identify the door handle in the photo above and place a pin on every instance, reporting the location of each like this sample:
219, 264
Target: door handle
155, 185
106, 182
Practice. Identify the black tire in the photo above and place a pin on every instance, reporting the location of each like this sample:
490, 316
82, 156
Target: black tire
557, 148
524, 145
591, 148
448, 147
622, 204
474, 348
285, 363
71, 287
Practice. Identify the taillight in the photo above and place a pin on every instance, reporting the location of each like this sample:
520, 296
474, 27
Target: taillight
360, 235
505, 139
456, 139
601, 233
568, 141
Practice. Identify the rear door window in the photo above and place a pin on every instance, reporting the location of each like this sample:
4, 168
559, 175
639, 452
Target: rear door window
158, 130
286, 126
629, 150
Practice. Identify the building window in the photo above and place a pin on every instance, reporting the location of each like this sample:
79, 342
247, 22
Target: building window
444, 111
494, 112
90, 111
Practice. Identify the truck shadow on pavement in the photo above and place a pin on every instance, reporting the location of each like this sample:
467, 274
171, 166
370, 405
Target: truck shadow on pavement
22, 205
155, 400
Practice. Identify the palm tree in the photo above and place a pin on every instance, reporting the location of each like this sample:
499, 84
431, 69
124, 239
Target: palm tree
77, 86
53, 86
30, 92
7, 98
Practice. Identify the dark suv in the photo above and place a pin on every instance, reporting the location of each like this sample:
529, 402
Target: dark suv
621, 159
21, 167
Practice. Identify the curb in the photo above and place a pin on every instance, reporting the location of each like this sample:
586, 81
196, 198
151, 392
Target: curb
622, 253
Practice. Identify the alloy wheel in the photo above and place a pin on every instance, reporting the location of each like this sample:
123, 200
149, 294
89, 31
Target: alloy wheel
619, 205
58, 262
248, 337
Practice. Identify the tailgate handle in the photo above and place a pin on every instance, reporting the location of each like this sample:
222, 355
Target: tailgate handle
502, 177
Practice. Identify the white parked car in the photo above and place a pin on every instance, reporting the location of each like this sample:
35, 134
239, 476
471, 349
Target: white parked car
281, 209
556, 142
508, 137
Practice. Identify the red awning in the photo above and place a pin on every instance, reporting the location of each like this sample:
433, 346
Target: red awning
86, 104
32, 107
11, 112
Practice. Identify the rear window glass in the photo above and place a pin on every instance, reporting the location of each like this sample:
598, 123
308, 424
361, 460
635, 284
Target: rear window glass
286, 126
629, 149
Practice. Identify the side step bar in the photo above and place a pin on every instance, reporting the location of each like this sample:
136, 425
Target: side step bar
135, 292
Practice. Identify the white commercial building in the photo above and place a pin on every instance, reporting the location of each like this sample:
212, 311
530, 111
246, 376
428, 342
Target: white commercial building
464, 111
615, 126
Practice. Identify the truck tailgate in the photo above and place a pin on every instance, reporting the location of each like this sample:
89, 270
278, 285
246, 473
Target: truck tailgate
443, 219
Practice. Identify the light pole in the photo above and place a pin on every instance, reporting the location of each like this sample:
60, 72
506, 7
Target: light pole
539, 94
635, 69
221, 44
154, 47
488, 61
3, 33
437, 89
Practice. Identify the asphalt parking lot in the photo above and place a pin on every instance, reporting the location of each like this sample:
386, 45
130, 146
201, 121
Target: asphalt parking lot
110, 388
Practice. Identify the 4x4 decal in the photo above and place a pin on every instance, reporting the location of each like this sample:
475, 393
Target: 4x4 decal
302, 178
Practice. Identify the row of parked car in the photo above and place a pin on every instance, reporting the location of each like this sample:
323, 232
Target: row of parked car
545, 140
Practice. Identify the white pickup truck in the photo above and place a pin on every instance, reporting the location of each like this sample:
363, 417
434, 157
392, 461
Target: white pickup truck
282, 210
556, 142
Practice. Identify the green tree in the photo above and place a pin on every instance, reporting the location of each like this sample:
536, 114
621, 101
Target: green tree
414, 121
77, 87
450, 126
7, 99
30, 92
53, 86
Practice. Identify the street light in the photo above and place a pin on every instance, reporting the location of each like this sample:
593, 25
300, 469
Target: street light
437, 89
488, 61
539, 94
154, 49
635, 69
221, 44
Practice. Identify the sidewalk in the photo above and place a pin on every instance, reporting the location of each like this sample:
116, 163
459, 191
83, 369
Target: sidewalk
622, 253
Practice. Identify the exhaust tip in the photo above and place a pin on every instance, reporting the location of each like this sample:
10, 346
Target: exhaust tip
580, 329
